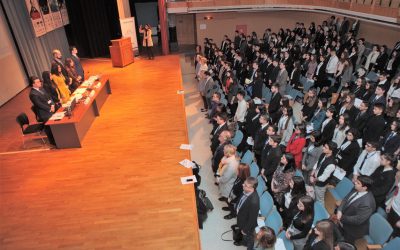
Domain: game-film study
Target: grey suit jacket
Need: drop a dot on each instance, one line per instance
(356, 215)
(282, 81)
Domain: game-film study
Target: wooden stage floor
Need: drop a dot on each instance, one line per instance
(121, 190)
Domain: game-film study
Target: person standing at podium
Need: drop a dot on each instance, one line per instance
(147, 40)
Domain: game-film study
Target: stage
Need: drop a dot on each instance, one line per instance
(122, 189)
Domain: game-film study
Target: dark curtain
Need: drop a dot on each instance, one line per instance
(93, 23)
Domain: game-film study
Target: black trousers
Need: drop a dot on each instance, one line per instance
(150, 53)
(393, 218)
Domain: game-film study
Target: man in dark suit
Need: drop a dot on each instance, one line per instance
(77, 62)
(247, 211)
(275, 103)
(356, 209)
(57, 60)
(260, 137)
(375, 127)
(224, 139)
(362, 118)
(271, 157)
(378, 97)
(221, 119)
(42, 102)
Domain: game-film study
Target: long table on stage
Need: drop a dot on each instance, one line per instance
(69, 132)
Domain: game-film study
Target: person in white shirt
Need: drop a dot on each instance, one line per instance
(331, 67)
(241, 109)
(368, 161)
(323, 170)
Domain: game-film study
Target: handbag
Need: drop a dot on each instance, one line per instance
(236, 233)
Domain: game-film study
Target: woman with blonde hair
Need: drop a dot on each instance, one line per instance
(227, 171)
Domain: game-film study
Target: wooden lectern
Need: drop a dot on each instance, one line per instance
(121, 52)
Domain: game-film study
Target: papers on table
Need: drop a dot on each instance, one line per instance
(250, 141)
(339, 173)
(180, 92)
(187, 163)
(57, 116)
(188, 179)
(357, 102)
(186, 146)
(79, 91)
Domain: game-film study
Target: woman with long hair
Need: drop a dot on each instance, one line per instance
(51, 88)
(323, 239)
(295, 76)
(309, 105)
(59, 80)
(291, 198)
(237, 190)
(147, 40)
(359, 88)
(265, 239)
(393, 99)
(282, 175)
(348, 152)
(301, 223)
(349, 108)
(319, 115)
(296, 144)
(339, 135)
(311, 155)
(286, 125)
(312, 66)
(75, 78)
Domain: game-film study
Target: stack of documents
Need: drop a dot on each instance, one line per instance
(188, 179)
(187, 163)
(186, 146)
(57, 116)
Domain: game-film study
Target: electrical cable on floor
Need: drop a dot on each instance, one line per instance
(224, 234)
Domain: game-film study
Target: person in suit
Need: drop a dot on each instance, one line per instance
(320, 76)
(311, 155)
(221, 119)
(375, 126)
(43, 105)
(322, 237)
(51, 88)
(252, 121)
(348, 152)
(42, 102)
(260, 137)
(77, 62)
(282, 78)
(310, 104)
(378, 97)
(361, 118)
(274, 72)
(355, 210)
(383, 178)
(275, 103)
(247, 211)
(224, 139)
(271, 157)
(391, 141)
(57, 60)
(328, 125)
(291, 199)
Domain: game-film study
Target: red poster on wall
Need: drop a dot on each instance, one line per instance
(242, 28)
(36, 17)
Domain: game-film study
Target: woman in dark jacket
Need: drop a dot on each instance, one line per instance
(295, 76)
(322, 237)
(383, 179)
(291, 198)
(258, 85)
(51, 88)
(310, 104)
(301, 223)
(348, 152)
(359, 88)
(237, 190)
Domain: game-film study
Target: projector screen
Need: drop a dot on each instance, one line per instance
(13, 78)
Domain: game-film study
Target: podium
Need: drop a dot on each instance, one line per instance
(121, 52)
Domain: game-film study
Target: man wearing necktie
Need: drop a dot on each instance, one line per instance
(77, 62)
(355, 210)
(247, 211)
(41, 101)
(368, 161)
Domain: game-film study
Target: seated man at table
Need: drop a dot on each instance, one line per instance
(42, 102)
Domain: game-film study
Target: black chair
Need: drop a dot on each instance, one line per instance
(29, 129)
(35, 111)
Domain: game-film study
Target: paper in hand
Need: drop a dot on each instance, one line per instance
(186, 146)
(187, 163)
(188, 179)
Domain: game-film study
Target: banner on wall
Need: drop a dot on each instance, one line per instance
(63, 10)
(45, 10)
(128, 30)
(55, 13)
(36, 17)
